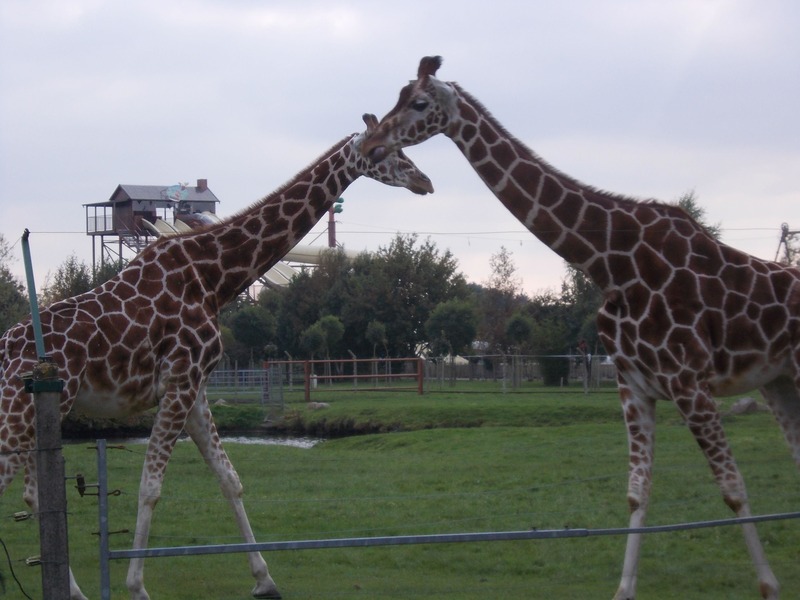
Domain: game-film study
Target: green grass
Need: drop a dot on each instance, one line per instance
(457, 463)
(388, 411)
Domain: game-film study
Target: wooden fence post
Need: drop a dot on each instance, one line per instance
(307, 379)
(46, 388)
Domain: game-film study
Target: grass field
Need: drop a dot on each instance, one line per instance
(449, 462)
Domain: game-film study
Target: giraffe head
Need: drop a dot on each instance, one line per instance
(397, 169)
(426, 107)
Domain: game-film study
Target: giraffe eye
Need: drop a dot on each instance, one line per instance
(419, 105)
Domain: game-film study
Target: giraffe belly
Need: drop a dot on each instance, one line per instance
(111, 406)
(746, 381)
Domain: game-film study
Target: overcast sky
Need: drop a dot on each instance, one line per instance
(646, 98)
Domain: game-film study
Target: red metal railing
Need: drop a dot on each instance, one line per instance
(310, 376)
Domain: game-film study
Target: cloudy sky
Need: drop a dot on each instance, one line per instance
(647, 98)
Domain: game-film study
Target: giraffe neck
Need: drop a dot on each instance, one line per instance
(230, 256)
(573, 219)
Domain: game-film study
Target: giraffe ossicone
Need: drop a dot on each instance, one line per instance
(685, 317)
(149, 336)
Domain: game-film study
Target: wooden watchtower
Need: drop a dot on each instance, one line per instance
(124, 224)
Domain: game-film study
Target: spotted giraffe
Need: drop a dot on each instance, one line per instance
(685, 318)
(149, 337)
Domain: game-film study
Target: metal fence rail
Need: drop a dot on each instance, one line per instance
(106, 554)
(366, 374)
(441, 538)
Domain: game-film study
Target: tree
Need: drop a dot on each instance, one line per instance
(312, 340)
(253, 328)
(334, 330)
(310, 295)
(397, 286)
(688, 202)
(414, 279)
(376, 334)
(584, 298)
(451, 327)
(383, 298)
(106, 271)
(554, 333)
(70, 279)
(551, 341)
(498, 300)
(519, 331)
(503, 276)
(229, 345)
(14, 304)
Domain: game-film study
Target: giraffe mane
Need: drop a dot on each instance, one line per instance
(272, 195)
(288, 183)
(670, 209)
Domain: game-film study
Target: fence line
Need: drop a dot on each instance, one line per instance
(441, 538)
(272, 382)
(396, 370)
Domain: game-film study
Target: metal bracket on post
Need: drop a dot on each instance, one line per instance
(83, 487)
(35, 321)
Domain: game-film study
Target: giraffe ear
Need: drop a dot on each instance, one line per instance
(371, 121)
(428, 66)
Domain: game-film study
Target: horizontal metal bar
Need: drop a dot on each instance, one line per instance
(446, 538)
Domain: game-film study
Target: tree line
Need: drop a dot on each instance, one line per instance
(405, 299)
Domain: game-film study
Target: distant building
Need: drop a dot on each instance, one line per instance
(134, 216)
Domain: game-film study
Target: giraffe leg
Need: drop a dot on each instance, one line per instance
(705, 423)
(201, 428)
(166, 430)
(640, 421)
(783, 398)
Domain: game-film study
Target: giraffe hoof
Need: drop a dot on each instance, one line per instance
(267, 592)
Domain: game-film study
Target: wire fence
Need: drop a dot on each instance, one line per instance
(277, 383)
(569, 507)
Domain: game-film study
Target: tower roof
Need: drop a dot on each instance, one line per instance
(160, 193)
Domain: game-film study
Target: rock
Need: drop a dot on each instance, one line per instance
(744, 406)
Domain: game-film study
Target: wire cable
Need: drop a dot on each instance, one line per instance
(13, 574)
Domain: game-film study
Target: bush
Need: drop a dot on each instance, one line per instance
(555, 370)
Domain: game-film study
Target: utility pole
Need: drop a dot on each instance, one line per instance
(331, 229)
(333, 210)
(786, 235)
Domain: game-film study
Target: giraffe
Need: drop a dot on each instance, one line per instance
(685, 318)
(149, 337)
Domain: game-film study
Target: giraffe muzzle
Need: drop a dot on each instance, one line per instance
(422, 185)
